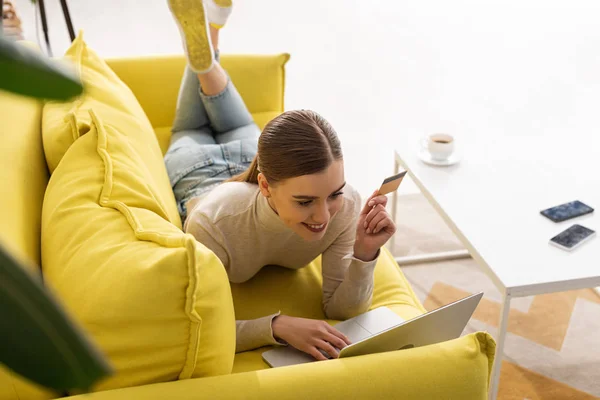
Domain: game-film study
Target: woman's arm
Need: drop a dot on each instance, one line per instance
(311, 336)
(254, 333)
(347, 280)
(348, 264)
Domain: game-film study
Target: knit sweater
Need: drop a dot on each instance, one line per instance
(237, 223)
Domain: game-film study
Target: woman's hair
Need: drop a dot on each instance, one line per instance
(295, 143)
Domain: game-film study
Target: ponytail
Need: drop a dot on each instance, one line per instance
(250, 175)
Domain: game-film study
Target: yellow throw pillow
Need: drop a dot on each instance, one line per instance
(23, 177)
(15, 387)
(156, 301)
(65, 122)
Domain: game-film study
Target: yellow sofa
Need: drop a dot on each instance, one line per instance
(455, 369)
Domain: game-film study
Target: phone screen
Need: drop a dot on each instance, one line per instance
(572, 236)
(567, 211)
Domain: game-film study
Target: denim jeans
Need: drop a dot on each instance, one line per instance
(214, 138)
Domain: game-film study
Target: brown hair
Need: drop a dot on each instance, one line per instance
(295, 143)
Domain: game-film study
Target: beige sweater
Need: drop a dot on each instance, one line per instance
(236, 222)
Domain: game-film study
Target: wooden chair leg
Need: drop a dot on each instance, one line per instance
(42, 7)
(65, 10)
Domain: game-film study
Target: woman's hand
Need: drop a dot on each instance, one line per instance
(375, 227)
(309, 335)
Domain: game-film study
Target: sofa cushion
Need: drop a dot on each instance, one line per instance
(64, 122)
(298, 293)
(155, 301)
(23, 177)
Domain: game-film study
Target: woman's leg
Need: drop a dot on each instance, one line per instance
(210, 100)
(227, 113)
(191, 121)
(214, 136)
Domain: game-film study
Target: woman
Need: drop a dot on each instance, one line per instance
(278, 199)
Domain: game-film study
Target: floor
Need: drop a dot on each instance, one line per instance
(332, 70)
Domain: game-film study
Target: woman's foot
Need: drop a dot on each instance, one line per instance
(218, 12)
(191, 17)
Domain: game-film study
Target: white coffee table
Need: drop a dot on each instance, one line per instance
(495, 214)
(519, 87)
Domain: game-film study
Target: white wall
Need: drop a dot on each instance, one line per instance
(342, 65)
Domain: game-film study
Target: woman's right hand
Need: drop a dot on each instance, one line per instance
(309, 335)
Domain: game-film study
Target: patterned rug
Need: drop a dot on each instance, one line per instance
(552, 348)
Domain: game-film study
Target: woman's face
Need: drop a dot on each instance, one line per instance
(307, 203)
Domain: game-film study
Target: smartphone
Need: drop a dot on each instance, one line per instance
(392, 183)
(567, 211)
(572, 237)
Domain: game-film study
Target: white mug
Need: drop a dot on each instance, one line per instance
(439, 145)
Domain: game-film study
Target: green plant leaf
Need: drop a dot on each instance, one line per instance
(27, 72)
(37, 338)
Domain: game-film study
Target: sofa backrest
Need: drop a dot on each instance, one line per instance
(23, 176)
(23, 180)
(155, 82)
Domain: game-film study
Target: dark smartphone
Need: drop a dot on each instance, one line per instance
(572, 237)
(567, 211)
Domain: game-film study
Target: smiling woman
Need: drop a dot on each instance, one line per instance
(276, 198)
(305, 211)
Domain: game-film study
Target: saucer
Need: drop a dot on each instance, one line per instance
(425, 156)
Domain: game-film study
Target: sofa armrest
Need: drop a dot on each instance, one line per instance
(457, 369)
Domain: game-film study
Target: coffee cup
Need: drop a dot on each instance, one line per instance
(439, 145)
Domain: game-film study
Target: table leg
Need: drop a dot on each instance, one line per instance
(432, 257)
(421, 258)
(495, 381)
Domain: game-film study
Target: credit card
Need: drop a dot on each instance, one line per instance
(392, 183)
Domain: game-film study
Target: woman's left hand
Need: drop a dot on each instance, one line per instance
(375, 227)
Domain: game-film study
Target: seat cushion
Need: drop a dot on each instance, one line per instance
(64, 122)
(156, 302)
(298, 293)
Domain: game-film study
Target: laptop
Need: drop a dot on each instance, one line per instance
(381, 330)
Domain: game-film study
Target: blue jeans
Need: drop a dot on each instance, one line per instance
(214, 138)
